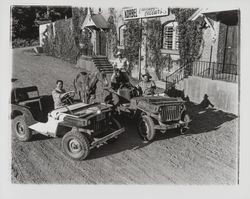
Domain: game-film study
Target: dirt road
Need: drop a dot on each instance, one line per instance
(207, 155)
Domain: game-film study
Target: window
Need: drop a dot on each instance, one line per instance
(121, 34)
(170, 36)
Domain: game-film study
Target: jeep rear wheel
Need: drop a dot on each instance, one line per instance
(76, 145)
(146, 128)
(21, 129)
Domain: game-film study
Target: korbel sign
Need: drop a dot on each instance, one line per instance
(137, 13)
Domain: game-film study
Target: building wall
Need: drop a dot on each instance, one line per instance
(224, 95)
(210, 40)
(119, 21)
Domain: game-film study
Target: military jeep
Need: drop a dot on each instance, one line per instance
(152, 112)
(81, 126)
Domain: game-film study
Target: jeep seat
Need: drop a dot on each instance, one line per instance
(21, 96)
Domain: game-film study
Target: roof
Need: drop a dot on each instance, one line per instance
(206, 11)
(99, 21)
(95, 21)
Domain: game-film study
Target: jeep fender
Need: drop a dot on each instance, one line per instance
(22, 110)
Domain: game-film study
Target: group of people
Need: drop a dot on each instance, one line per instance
(119, 79)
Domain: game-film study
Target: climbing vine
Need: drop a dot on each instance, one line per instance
(154, 38)
(190, 35)
(111, 35)
(132, 38)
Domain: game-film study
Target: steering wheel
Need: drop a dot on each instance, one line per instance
(68, 97)
(150, 90)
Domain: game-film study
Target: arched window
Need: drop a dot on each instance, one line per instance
(121, 34)
(170, 33)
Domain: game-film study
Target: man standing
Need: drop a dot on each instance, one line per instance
(120, 62)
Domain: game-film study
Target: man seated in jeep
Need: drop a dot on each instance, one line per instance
(119, 78)
(59, 95)
(147, 86)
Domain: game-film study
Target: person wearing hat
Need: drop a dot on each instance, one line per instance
(206, 102)
(147, 85)
(119, 77)
(116, 79)
(120, 62)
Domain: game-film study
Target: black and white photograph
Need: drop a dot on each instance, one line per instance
(125, 95)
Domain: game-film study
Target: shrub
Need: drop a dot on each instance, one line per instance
(20, 43)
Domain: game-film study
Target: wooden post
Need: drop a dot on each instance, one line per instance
(225, 51)
(210, 60)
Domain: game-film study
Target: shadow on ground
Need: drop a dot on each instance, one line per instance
(206, 120)
(203, 121)
(129, 140)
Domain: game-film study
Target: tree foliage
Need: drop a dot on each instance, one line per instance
(23, 25)
(25, 18)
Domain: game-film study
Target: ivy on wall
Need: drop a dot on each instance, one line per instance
(62, 40)
(190, 35)
(111, 35)
(154, 39)
(132, 39)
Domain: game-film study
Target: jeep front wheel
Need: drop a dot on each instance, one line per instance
(76, 145)
(146, 128)
(21, 129)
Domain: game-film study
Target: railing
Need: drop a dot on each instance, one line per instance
(212, 70)
(175, 77)
(217, 71)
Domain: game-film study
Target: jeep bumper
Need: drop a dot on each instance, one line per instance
(103, 140)
(179, 124)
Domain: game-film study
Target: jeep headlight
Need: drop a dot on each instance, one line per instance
(160, 109)
(183, 107)
(159, 117)
(89, 122)
(98, 111)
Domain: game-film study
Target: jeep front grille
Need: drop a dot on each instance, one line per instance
(170, 113)
(99, 125)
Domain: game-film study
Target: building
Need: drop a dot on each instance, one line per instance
(216, 72)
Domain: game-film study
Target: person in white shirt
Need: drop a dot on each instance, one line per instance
(58, 93)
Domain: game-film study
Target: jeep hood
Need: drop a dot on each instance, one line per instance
(157, 100)
(82, 110)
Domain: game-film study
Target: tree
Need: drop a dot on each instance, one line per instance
(24, 18)
(23, 26)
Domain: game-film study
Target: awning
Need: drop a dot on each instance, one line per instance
(227, 16)
(95, 21)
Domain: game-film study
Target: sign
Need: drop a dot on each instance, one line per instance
(137, 13)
